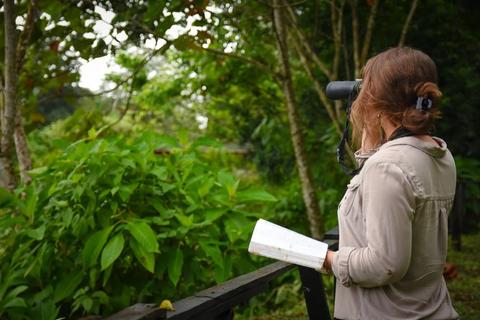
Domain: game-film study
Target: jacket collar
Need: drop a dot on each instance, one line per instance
(436, 150)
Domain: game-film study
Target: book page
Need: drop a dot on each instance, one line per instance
(273, 241)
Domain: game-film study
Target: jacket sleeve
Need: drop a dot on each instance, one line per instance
(388, 204)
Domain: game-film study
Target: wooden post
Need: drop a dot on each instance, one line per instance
(314, 293)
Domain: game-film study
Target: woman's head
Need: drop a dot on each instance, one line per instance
(392, 83)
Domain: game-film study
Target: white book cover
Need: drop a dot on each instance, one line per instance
(273, 241)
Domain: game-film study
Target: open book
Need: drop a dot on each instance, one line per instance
(273, 241)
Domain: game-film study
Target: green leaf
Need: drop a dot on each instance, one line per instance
(87, 303)
(160, 172)
(92, 133)
(6, 197)
(255, 195)
(157, 205)
(15, 303)
(126, 191)
(46, 310)
(227, 180)
(37, 233)
(222, 274)
(15, 292)
(66, 287)
(186, 221)
(112, 251)
(185, 42)
(146, 259)
(67, 217)
(212, 252)
(237, 227)
(210, 216)
(94, 246)
(213, 214)
(175, 264)
(101, 296)
(38, 171)
(31, 202)
(206, 186)
(144, 235)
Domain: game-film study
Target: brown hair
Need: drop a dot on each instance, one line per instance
(392, 82)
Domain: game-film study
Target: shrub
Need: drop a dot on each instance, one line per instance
(109, 223)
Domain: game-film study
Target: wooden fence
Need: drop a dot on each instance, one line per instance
(218, 302)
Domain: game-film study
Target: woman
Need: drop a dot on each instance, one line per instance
(393, 217)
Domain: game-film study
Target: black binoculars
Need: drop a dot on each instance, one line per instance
(337, 90)
(349, 90)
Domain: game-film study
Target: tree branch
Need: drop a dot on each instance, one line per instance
(337, 24)
(309, 50)
(280, 6)
(251, 61)
(355, 36)
(346, 56)
(25, 35)
(122, 115)
(140, 66)
(317, 86)
(406, 25)
(369, 32)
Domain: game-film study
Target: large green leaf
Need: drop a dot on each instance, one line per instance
(66, 286)
(255, 195)
(146, 259)
(175, 264)
(15, 292)
(14, 303)
(112, 251)
(94, 246)
(37, 233)
(143, 234)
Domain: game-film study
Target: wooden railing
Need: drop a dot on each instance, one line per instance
(218, 302)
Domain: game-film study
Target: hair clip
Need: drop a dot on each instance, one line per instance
(424, 103)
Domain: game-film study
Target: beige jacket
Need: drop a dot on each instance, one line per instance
(393, 234)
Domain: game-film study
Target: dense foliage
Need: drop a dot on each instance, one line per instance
(110, 222)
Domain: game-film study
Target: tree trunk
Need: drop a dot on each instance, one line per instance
(21, 146)
(9, 112)
(308, 190)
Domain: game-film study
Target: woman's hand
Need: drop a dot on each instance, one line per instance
(327, 264)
